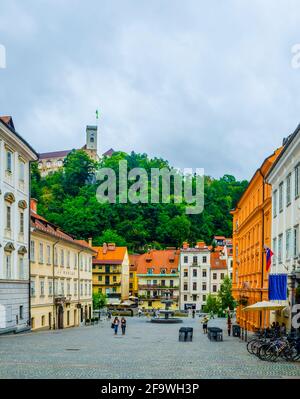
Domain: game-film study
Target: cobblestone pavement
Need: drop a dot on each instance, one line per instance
(146, 351)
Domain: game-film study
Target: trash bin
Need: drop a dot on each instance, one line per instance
(185, 334)
(236, 330)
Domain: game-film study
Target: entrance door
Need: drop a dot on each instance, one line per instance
(60, 317)
(50, 320)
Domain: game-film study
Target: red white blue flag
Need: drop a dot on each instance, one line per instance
(269, 255)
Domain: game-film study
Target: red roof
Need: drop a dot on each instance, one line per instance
(158, 259)
(216, 262)
(41, 224)
(55, 154)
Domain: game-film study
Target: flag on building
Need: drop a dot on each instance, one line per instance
(269, 255)
(277, 287)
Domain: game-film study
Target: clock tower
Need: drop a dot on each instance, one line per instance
(91, 140)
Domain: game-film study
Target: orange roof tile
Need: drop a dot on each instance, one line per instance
(157, 259)
(216, 262)
(115, 256)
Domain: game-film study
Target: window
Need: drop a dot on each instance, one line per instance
(62, 257)
(194, 286)
(222, 276)
(194, 298)
(50, 287)
(75, 261)
(297, 182)
(43, 320)
(204, 259)
(280, 196)
(185, 259)
(275, 203)
(68, 258)
(214, 288)
(280, 248)
(185, 273)
(185, 298)
(62, 288)
(21, 312)
(9, 161)
(195, 260)
(204, 273)
(32, 252)
(21, 171)
(8, 217)
(185, 287)
(131, 275)
(68, 287)
(8, 266)
(81, 289)
(21, 223)
(85, 289)
(150, 271)
(114, 279)
(99, 278)
(288, 190)
(194, 272)
(214, 276)
(42, 287)
(55, 287)
(204, 298)
(48, 251)
(55, 257)
(295, 241)
(203, 287)
(32, 287)
(41, 253)
(75, 288)
(288, 236)
(21, 269)
(163, 271)
(274, 250)
(171, 283)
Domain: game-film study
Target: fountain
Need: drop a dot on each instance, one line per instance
(168, 319)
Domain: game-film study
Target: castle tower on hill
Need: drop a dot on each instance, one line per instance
(50, 162)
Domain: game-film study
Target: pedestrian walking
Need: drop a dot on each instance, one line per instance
(115, 325)
(204, 321)
(193, 313)
(229, 325)
(123, 325)
(140, 312)
(109, 314)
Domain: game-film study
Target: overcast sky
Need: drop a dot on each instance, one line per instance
(201, 83)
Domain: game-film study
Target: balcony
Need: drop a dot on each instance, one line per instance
(156, 286)
(157, 297)
(103, 283)
(117, 271)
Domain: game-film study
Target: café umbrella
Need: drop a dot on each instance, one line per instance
(263, 306)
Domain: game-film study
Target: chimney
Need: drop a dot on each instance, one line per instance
(200, 244)
(33, 205)
(90, 242)
(104, 250)
(111, 246)
(185, 245)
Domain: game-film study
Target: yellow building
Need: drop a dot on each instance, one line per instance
(133, 278)
(158, 275)
(251, 233)
(111, 272)
(61, 276)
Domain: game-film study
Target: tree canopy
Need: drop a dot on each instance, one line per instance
(68, 198)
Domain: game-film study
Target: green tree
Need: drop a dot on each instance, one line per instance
(212, 304)
(99, 300)
(225, 294)
(110, 236)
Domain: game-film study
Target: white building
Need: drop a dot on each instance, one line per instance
(194, 276)
(15, 157)
(284, 177)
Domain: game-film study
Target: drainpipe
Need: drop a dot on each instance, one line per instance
(53, 279)
(262, 238)
(78, 290)
(29, 251)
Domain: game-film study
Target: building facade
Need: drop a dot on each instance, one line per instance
(15, 158)
(61, 276)
(111, 272)
(218, 271)
(158, 277)
(194, 276)
(133, 278)
(284, 177)
(252, 219)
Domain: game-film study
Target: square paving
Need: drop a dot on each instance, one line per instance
(146, 351)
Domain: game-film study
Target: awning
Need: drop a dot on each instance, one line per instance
(264, 305)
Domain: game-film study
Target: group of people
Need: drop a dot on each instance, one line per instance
(277, 329)
(115, 325)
